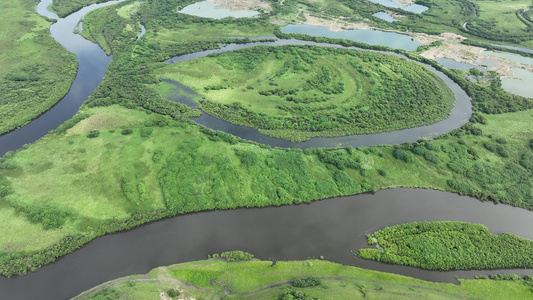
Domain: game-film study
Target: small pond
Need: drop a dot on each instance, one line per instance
(452, 64)
(519, 86)
(414, 8)
(367, 36)
(384, 16)
(514, 57)
(207, 9)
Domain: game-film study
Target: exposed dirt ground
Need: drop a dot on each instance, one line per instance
(452, 48)
(238, 5)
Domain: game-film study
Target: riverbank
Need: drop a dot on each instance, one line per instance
(176, 161)
(260, 280)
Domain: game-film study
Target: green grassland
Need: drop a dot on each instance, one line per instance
(448, 246)
(301, 92)
(36, 71)
(166, 167)
(498, 20)
(215, 279)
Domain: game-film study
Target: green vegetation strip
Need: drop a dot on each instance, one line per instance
(448, 246)
(299, 92)
(36, 71)
(310, 279)
(64, 8)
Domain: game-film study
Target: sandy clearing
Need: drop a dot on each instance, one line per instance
(239, 5)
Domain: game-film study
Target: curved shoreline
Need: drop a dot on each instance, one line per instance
(331, 228)
(92, 66)
(458, 116)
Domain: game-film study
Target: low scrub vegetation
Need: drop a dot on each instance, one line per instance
(448, 246)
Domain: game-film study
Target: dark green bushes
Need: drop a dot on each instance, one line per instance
(172, 293)
(49, 217)
(93, 134)
(236, 255)
(403, 155)
(449, 246)
(306, 282)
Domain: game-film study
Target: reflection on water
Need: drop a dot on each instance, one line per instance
(210, 10)
(414, 8)
(384, 16)
(452, 64)
(367, 36)
(522, 86)
(513, 57)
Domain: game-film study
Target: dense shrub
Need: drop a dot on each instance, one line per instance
(172, 293)
(236, 255)
(126, 131)
(403, 155)
(146, 132)
(93, 134)
(306, 282)
(449, 246)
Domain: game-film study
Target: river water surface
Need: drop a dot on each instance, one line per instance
(332, 228)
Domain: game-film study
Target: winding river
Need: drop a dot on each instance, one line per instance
(331, 228)
(459, 114)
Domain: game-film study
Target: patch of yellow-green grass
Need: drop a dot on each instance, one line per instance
(127, 11)
(17, 230)
(192, 32)
(515, 126)
(82, 176)
(112, 118)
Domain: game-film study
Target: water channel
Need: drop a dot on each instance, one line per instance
(459, 115)
(332, 228)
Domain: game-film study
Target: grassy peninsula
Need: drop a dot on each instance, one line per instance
(299, 92)
(310, 279)
(36, 71)
(448, 246)
(64, 8)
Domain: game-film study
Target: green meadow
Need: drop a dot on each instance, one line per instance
(298, 92)
(214, 279)
(36, 71)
